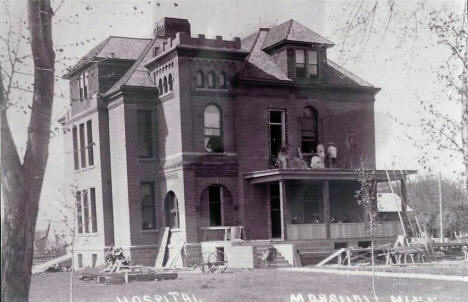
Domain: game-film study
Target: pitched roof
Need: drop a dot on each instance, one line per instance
(137, 75)
(259, 63)
(295, 32)
(112, 47)
(335, 74)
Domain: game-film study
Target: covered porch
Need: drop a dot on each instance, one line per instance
(319, 204)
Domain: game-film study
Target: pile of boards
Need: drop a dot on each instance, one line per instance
(127, 273)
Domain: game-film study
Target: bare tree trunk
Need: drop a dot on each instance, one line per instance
(22, 183)
(464, 100)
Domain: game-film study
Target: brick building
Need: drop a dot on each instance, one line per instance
(210, 136)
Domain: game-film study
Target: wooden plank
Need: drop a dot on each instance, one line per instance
(177, 252)
(329, 258)
(162, 248)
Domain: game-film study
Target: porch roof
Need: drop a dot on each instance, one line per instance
(273, 175)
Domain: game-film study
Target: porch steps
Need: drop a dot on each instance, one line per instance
(280, 260)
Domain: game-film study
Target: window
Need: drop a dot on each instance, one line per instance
(212, 131)
(309, 130)
(144, 133)
(83, 86)
(93, 217)
(160, 87)
(200, 82)
(165, 84)
(80, 260)
(300, 63)
(170, 82)
(277, 139)
(94, 259)
(312, 67)
(211, 77)
(89, 133)
(148, 215)
(214, 199)
(82, 146)
(76, 160)
(172, 210)
(79, 213)
(85, 211)
(222, 80)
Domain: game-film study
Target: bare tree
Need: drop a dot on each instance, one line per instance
(22, 180)
(402, 22)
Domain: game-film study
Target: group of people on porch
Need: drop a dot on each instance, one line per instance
(323, 157)
(333, 219)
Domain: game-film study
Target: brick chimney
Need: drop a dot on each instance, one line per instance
(168, 27)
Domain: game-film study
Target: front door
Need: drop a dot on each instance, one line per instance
(275, 211)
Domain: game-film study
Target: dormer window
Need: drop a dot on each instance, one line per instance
(306, 63)
(312, 67)
(83, 84)
(300, 64)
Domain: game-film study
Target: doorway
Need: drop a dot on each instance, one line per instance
(275, 211)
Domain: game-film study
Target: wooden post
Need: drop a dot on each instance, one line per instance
(326, 206)
(283, 208)
(441, 215)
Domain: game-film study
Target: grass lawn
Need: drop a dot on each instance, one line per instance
(457, 268)
(256, 285)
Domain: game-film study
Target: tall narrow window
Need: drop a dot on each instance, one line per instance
(84, 194)
(277, 133)
(170, 82)
(76, 159)
(144, 133)
(213, 138)
(214, 199)
(160, 87)
(82, 146)
(200, 82)
(309, 130)
(222, 80)
(312, 66)
(165, 84)
(79, 212)
(89, 134)
(211, 81)
(92, 193)
(300, 63)
(80, 87)
(172, 210)
(148, 215)
(85, 85)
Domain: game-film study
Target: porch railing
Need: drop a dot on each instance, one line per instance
(347, 230)
(221, 233)
(388, 228)
(306, 231)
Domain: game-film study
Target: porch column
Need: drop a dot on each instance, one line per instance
(326, 206)
(283, 209)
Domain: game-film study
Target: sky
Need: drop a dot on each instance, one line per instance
(401, 59)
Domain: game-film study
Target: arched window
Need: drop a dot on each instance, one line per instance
(170, 82)
(172, 210)
(165, 84)
(212, 131)
(222, 80)
(160, 87)
(211, 81)
(200, 82)
(309, 130)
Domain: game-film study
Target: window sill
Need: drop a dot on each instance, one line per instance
(150, 231)
(85, 169)
(147, 159)
(175, 230)
(87, 234)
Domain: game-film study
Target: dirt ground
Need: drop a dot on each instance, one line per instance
(251, 285)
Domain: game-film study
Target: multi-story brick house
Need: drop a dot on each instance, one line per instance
(184, 132)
